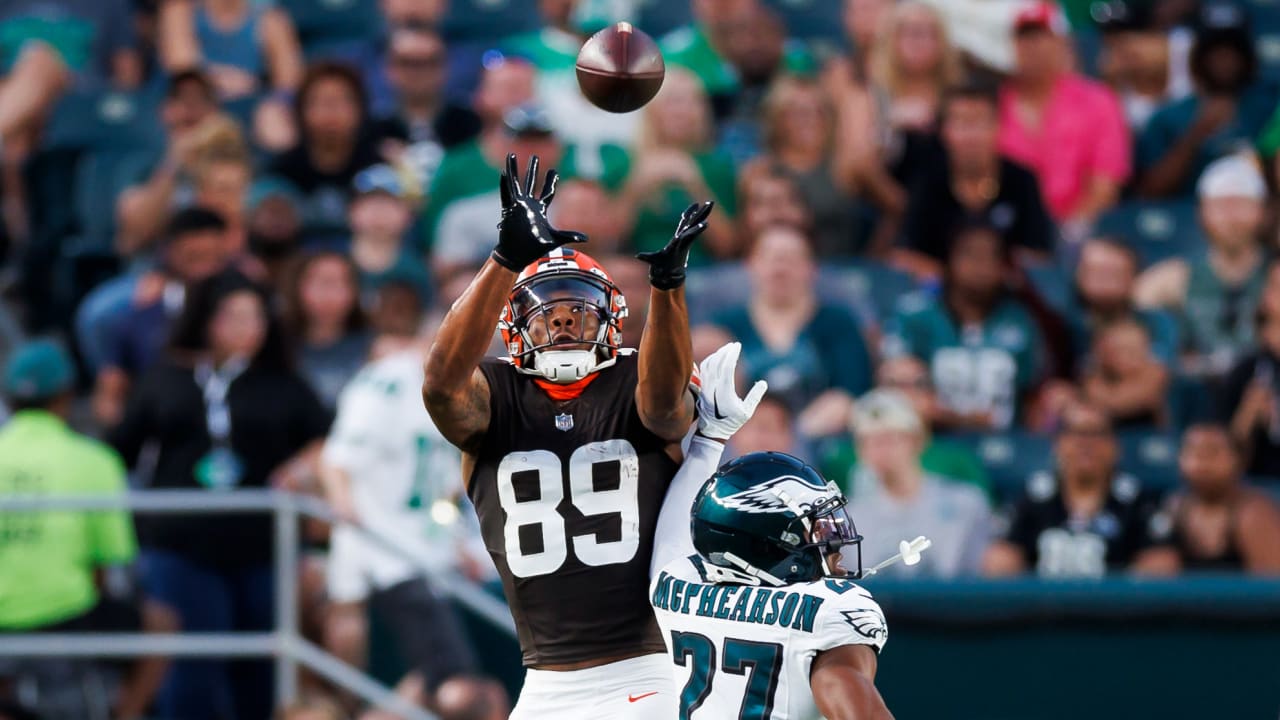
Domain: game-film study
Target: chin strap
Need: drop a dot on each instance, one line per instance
(752, 570)
(564, 367)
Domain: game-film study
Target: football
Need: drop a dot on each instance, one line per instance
(620, 68)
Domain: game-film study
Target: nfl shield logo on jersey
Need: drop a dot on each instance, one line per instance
(564, 422)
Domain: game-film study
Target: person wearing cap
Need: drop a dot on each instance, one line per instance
(379, 215)
(50, 560)
(1228, 109)
(894, 498)
(457, 223)
(1216, 290)
(1069, 130)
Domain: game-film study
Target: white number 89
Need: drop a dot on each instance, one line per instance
(541, 512)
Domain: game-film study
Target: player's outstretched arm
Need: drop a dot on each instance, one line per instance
(843, 683)
(666, 350)
(453, 389)
(720, 414)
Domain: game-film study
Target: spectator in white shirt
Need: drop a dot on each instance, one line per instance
(386, 467)
(894, 499)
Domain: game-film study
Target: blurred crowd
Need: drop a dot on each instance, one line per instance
(1008, 267)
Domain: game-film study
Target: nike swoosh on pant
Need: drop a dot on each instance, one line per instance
(633, 698)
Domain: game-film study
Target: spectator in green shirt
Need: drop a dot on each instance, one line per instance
(673, 165)
(983, 347)
(711, 46)
(50, 560)
(700, 47)
(811, 350)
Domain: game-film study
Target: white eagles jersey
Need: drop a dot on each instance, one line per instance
(744, 651)
(405, 477)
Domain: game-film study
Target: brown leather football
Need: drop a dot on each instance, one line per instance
(620, 68)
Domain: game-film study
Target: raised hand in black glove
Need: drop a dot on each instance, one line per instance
(524, 234)
(667, 266)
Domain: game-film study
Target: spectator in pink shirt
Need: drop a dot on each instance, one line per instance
(1069, 130)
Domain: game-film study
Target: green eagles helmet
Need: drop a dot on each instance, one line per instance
(769, 517)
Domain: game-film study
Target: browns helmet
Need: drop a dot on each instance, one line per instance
(564, 277)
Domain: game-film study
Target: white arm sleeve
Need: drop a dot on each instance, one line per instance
(671, 539)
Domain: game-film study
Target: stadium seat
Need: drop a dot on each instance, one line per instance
(327, 24)
(1156, 231)
(659, 17)
(489, 21)
(1264, 15)
(865, 286)
(1190, 400)
(1268, 44)
(1151, 456)
(1010, 458)
(89, 120)
(1052, 283)
(812, 20)
(1088, 47)
(849, 287)
(100, 178)
(713, 289)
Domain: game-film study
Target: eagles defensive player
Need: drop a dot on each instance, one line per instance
(568, 449)
(761, 620)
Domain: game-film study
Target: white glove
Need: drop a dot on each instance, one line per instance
(721, 413)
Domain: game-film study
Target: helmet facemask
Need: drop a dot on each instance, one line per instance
(833, 536)
(565, 326)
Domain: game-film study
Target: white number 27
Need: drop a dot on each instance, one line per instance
(542, 513)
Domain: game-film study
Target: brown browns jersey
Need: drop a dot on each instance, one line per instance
(568, 495)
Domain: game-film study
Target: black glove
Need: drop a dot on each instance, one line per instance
(524, 234)
(667, 266)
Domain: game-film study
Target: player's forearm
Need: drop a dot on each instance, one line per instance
(666, 357)
(466, 332)
(848, 695)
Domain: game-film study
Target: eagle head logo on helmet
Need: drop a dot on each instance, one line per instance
(569, 280)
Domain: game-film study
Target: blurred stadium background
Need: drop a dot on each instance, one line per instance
(1040, 235)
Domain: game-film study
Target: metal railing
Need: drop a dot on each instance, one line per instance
(285, 643)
